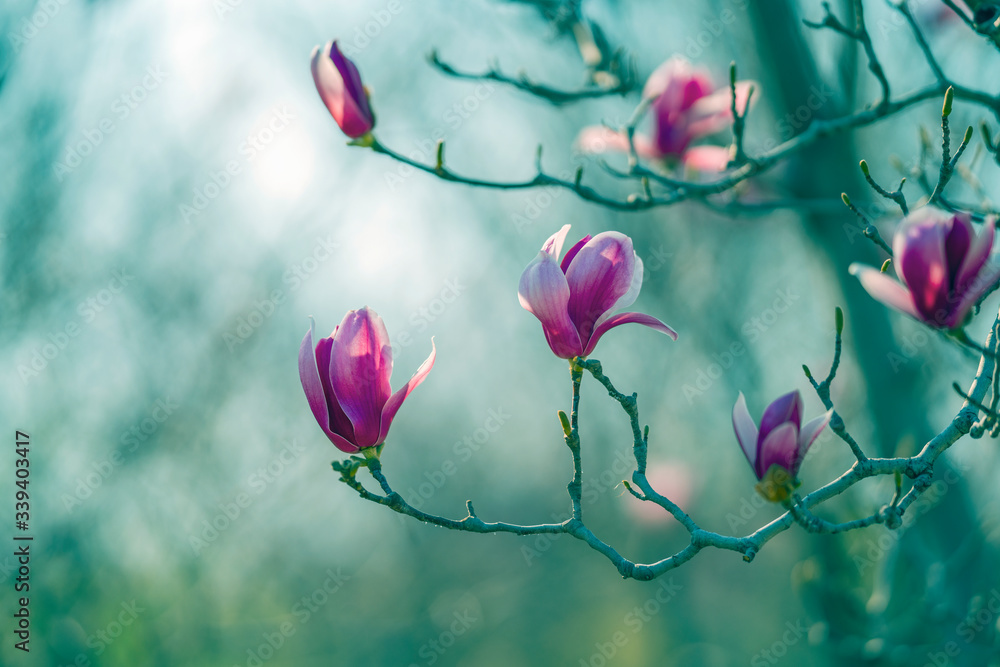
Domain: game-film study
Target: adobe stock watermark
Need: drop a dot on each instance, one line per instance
(793, 634)
(89, 309)
(303, 611)
(875, 548)
(463, 450)
(982, 617)
(211, 528)
(131, 440)
(426, 149)
(102, 638)
(295, 276)
(591, 490)
(432, 650)
(751, 330)
(537, 202)
(421, 319)
(29, 27)
(122, 108)
(635, 620)
(257, 140)
(363, 35)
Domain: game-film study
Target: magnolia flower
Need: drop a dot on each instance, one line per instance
(575, 299)
(942, 263)
(346, 380)
(776, 451)
(340, 88)
(685, 106)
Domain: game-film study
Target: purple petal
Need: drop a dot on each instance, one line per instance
(987, 277)
(600, 274)
(360, 367)
(315, 391)
(396, 400)
(919, 253)
(553, 245)
(544, 292)
(778, 447)
(784, 409)
(339, 86)
(627, 318)
(807, 436)
(975, 258)
(885, 289)
(571, 253)
(665, 78)
(746, 430)
(957, 241)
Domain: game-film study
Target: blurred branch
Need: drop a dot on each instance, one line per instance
(609, 70)
(919, 468)
(622, 83)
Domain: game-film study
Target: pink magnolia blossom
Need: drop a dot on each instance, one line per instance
(339, 85)
(776, 451)
(943, 266)
(685, 106)
(575, 300)
(346, 381)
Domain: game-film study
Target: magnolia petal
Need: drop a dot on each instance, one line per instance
(746, 430)
(553, 245)
(885, 289)
(673, 69)
(312, 384)
(340, 96)
(544, 292)
(600, 139)
(627, 318)
(918, 249)
(786, 408)
(986, 278)
(706, 158)
(396, 400)
(975, 258)
(808, 435)
(601, 273)
(360, 367)
(958, 238)
(571, 253)
(778, 447)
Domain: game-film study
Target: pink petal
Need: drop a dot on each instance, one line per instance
(987, 277)
(600, 139)
(627, 318)
(600, 274)
(918, 249)
(706, 158)
(360, 367)
(396, 400)
(312, 384)
(544, 292)
(674, 69)
(784, 409)
(571, 253)
(349, 108)
(746, 430)
(807, 436)
(779, 446)
(885, 289)
(975, 258)
(553, 245)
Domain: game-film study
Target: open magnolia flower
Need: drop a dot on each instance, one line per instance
(339, 85)
(346, 381)
(685, 106)
(776, 451)
(942, 263)
(575, 300)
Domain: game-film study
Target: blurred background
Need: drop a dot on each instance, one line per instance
(176, 202)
